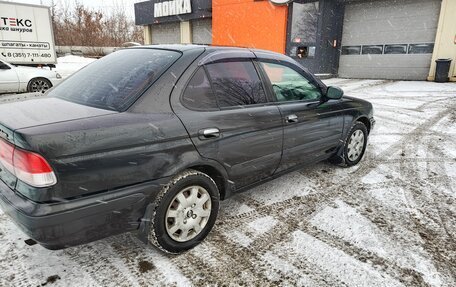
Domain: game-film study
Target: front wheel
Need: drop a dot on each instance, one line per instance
(354, 146)
(39, 85)
(186, 210)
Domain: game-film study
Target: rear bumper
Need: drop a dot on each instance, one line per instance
(61, 225)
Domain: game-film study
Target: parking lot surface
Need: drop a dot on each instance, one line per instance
(390, 221)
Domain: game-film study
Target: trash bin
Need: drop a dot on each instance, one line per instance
(442, 70)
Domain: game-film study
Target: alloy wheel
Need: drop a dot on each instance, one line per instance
(40, 86)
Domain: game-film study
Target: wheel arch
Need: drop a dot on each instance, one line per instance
(365, 120)
(218, 174)
(349, 122)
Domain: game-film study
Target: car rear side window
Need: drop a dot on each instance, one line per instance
(289, 85)
(198, 95)
(236, 84)
(115, 82)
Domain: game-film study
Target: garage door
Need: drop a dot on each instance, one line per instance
(166, 33)
(202, 31)
(389, 39)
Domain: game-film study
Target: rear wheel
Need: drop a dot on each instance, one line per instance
(186, 210)
(38, 85)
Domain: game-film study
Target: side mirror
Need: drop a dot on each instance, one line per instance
(4, 66)
(334, 93)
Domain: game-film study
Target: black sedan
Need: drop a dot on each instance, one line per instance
(150, 139)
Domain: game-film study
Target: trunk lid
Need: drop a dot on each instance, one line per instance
(37, 112)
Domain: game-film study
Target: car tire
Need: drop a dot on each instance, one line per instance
(354, 146)
(39, 85)
(182, 217)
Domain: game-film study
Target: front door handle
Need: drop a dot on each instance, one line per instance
(291, 119)
(210, 133)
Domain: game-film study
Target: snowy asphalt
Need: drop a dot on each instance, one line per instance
(390, 221)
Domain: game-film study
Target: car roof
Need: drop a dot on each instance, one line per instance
(223, 52)
(175, 47)
(209, 48)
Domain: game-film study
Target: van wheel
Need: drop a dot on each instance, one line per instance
(186, 210)
(39, 85)
(354, 146)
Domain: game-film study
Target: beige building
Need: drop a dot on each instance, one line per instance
(445, 41)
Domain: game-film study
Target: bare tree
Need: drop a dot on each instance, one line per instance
(79, 25)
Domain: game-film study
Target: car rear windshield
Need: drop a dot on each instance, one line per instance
(115, 82)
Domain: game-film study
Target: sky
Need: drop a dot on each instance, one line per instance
(105, 5)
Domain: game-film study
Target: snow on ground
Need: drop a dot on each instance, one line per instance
(390, 221)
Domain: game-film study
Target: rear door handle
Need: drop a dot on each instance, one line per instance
(210, 133)
(291, 119)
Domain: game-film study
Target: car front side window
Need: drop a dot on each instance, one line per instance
(289, 85)
(236, 84)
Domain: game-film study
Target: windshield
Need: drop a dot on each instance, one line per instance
(114, 82)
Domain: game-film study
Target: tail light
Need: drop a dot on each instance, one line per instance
(28, 167)
(6, 155)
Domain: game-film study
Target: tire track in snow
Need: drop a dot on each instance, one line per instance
(419, 130)
(361, 238)
(409, 170)
(405, 275)
(444, 181)
(350, 271)
(133, 253)
(100, 263)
